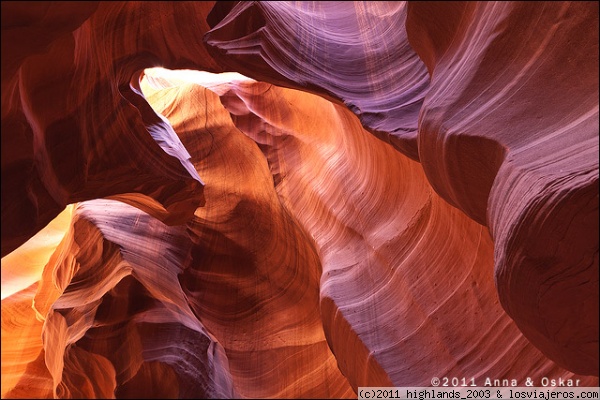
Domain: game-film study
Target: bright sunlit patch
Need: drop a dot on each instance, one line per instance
(23, 267)
(161, 78)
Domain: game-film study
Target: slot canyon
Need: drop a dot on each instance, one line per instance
(297, 199)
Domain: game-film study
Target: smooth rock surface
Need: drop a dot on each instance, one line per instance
(399, 191)
(509, 134)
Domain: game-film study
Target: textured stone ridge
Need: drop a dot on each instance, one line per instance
(398, 191)
(356, 52)
(507, 127)
(513, 143)
(71, 106)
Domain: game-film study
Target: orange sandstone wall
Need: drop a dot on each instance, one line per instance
(401, 191)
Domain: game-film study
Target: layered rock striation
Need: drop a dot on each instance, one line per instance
(399, 191)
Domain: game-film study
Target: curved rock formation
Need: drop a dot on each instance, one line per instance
(23, 267)
(426, 205)
(383, 294)
(514, 143)
(116, 315)
(508, 129)
(254, 274)
(66, 89)
(352, 52)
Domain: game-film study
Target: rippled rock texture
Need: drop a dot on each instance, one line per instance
(400, 191)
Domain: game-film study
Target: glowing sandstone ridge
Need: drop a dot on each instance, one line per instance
(391, 192)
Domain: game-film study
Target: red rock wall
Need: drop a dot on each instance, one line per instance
(426, 205)
(513, 142)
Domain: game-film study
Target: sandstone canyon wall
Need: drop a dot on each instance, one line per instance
(393, 191)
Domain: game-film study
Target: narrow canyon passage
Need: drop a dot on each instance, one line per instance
(392, 192)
